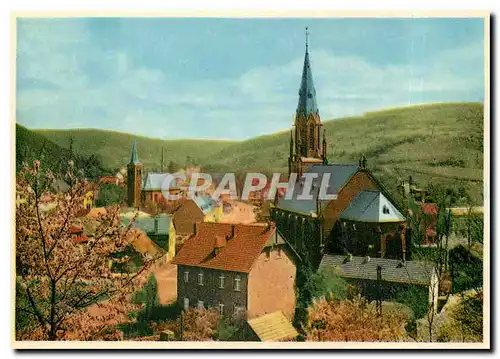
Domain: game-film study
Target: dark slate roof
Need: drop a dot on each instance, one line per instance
(368, 206)
(147, 224)
(134, 159)
(412, 272)
(307, 93)
(339, 176)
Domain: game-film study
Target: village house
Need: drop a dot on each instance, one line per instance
(242, 270)
(382, 278)
(159, 228)
(201, 208)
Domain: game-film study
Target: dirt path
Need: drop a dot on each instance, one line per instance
(166, 276)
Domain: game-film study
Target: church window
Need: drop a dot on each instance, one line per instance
(311, 136)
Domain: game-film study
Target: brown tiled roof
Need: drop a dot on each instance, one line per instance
(238, 255)
(186, 215)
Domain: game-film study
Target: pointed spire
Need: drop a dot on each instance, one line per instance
(307, 93)
(134, 159)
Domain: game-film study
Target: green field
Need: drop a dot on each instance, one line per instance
(439, 143)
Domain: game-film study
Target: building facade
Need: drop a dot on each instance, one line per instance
(228, 267)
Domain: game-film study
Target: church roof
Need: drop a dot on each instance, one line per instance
(307, 92)
(134, 159)
(156, 181)
(340, 174)
(371, 206)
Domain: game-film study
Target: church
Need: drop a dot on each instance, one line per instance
(364, 220)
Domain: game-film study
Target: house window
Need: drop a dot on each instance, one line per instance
(201, 304)
(186, 303)
(221, 281)
(221, 308)
(385, 210)
(237, 310)
(186, 276)
(200, 278)
(237, 281)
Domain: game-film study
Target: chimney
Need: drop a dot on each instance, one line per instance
(220, 242)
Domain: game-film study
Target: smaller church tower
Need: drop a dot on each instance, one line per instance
(134, 179)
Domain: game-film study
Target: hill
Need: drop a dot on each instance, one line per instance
(32, 146)
(113, 148)
(438, 143)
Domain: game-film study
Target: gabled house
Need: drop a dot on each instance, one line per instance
(382, 278)
(242, 270)
(159, 229)
(198, 209)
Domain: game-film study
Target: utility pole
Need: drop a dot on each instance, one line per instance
(379, 296)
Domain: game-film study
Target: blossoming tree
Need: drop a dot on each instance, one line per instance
(59, 278)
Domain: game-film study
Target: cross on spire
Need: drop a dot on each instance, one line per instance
(307, 36)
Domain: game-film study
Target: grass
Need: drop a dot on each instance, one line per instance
(439, 143)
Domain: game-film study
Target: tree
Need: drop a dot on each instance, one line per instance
(326, 283)
(353, 320)
(148, 296)
(469, 315)
(58, 277)
(198, 324)
(172, 167)
(110, 194)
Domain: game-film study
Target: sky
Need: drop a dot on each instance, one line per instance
(235, 79)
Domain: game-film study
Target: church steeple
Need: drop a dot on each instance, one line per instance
(134, 178)
(307, 93)
(306, 143)
(134, 159)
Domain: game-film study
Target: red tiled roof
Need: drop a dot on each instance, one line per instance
(429, 208)
(239, 253)
(81, 239)
(108, 179)
(75, 229)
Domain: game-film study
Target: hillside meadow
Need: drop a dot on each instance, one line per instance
(438, 143)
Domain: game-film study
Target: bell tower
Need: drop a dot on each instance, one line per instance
(307, 149)
(134, 179)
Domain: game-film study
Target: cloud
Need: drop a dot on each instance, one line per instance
(66, 81)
